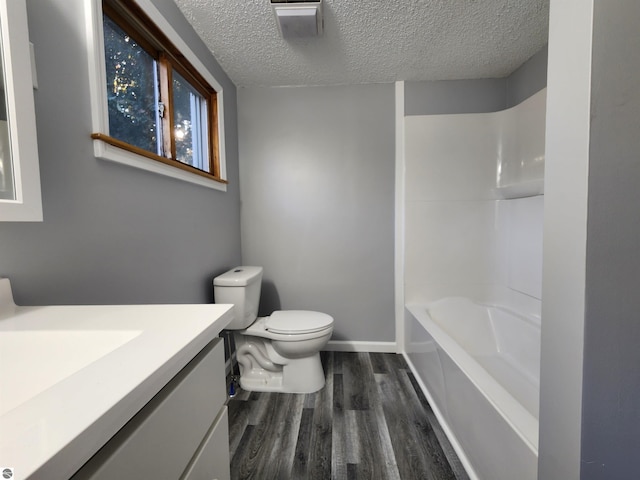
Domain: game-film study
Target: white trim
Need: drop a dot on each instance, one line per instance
(349, 346)
(565, 239)
(399, 219)
(27, 206)
(443, 423)
(106, 151)
(100, 113)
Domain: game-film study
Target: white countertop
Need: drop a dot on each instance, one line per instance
(72, 376)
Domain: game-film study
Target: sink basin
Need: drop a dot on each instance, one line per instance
(46, 357)
(72, 375)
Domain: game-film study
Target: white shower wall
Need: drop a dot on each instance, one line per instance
(524, 249)
(463, 238)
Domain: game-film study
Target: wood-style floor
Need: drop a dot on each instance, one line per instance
(370, 421)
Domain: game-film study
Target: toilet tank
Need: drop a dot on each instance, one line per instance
(241, 287)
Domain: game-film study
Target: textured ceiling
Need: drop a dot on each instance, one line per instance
(373, 41)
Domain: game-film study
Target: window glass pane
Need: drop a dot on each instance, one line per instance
(132, 89)
(190, 124)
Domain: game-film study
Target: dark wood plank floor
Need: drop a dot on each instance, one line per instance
(371, 421)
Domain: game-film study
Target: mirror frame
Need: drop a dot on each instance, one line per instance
(27, 207)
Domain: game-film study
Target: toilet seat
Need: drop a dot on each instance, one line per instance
(297, 322)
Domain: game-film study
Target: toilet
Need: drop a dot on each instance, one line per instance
(278, 353)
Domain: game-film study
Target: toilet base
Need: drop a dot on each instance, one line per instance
(261, 381)
(300, 375)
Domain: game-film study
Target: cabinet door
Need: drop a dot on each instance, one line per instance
(211, 462)
(159, 442)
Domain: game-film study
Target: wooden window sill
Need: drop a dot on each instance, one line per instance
(109, 148)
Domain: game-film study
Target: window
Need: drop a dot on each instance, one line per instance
(131, 89)
(158, 108)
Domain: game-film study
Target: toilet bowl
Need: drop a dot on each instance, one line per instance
(278, 353)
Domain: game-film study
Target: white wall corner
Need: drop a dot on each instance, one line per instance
(565, 235)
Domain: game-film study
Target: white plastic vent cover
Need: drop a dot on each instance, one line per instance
(298, 19)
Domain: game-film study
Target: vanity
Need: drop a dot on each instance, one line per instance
(114, 391)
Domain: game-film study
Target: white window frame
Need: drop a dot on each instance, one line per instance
(19, 76)
(100, 112)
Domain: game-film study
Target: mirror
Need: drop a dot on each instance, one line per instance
(20, 197)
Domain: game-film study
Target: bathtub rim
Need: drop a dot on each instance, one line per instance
(517, 416)
(529, 318)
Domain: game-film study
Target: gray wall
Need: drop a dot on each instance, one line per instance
(317, 190)
(590, 377)
(480, 95)
(111, 233)
(529, 78)
(611, 375)
(455, 96)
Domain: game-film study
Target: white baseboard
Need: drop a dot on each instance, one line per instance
(349, 346)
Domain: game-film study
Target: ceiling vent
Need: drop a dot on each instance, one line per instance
(298, 19)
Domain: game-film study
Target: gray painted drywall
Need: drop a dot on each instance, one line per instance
(529, 78)
(611, 374)
(480, 95)
(590, 382)
(317, 191)
(111, 233)
(455, 96)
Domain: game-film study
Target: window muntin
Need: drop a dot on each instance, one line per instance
(185, 136)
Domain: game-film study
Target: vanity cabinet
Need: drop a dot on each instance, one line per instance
(182, 433)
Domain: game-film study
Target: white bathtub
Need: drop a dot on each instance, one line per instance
(479, 365)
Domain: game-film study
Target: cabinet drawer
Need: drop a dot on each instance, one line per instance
(211, 461)
(160, 440)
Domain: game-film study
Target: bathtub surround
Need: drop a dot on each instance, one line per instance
(450, 97)
(455, 192)
(112, 234)
(473, 235)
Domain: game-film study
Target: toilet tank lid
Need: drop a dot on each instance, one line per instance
(297, 321)
(238, 277)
